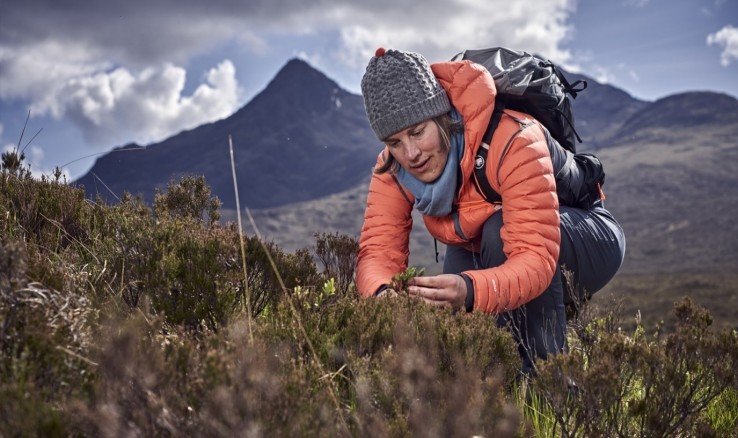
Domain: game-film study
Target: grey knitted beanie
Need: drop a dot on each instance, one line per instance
(399, 91)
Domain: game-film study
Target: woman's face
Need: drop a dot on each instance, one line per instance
(419, 150)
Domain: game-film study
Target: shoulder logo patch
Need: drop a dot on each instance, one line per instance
(479, 162)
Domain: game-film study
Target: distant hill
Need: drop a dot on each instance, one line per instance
(600, 110)
(697, 109)
(301, 138)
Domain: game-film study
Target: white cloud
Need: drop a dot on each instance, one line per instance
(439, 30)
(603, 75)
(121, 105)
(92, 62)
(2, 128)
(130, 34)
(727, 38)
(35, 154)
(634, 76)
(34, 72)
(34, 157)
(315, 59)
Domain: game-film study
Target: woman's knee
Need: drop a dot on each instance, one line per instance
(592, 246)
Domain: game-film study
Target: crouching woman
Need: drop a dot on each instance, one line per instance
(504, 259)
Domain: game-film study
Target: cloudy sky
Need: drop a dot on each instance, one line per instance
(98, 74)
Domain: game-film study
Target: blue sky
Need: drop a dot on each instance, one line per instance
(103, 74)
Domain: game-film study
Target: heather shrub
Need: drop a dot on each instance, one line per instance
(613, 384)
(154, 378)
(196, 279)
(45, 336)
(189, 268)
(338, 254)
(188, 198)
(11, 163)
(400, 281)
(46, 213)
(384, 354)
(130, 320)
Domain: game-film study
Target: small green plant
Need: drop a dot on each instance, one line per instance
(722, 414)
(314, 298)
(400, 280)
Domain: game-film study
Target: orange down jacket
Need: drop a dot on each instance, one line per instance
(518, 167)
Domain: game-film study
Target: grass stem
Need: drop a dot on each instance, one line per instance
(246, 293)
(296, 315)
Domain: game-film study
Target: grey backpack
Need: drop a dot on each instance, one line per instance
(536, 87)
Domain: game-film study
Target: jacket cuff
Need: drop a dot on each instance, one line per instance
(469, 304)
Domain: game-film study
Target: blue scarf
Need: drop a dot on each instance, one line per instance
(436, 198)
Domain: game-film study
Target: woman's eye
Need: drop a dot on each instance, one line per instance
(417, 133)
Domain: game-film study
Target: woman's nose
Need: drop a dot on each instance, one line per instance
(413, 151)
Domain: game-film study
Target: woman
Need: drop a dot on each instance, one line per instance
(501, 259)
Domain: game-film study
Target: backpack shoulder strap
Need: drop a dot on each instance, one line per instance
(480, 161)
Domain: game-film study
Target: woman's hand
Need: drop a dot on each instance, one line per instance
(446, 290)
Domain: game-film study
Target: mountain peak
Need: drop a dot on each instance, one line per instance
(299, 87)
(297, 63)
(298, 72)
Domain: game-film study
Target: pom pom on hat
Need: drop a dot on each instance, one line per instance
(380, 52)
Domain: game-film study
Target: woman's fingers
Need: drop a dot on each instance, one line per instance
(445, 289)
(434, 281)
(430, 293)
(442, 281)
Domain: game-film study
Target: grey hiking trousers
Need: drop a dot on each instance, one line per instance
(592, 247)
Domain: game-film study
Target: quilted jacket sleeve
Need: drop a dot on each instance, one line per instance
(384, 241)
(530, 232)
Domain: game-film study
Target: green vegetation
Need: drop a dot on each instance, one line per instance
(401, 279)
(128, 319)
